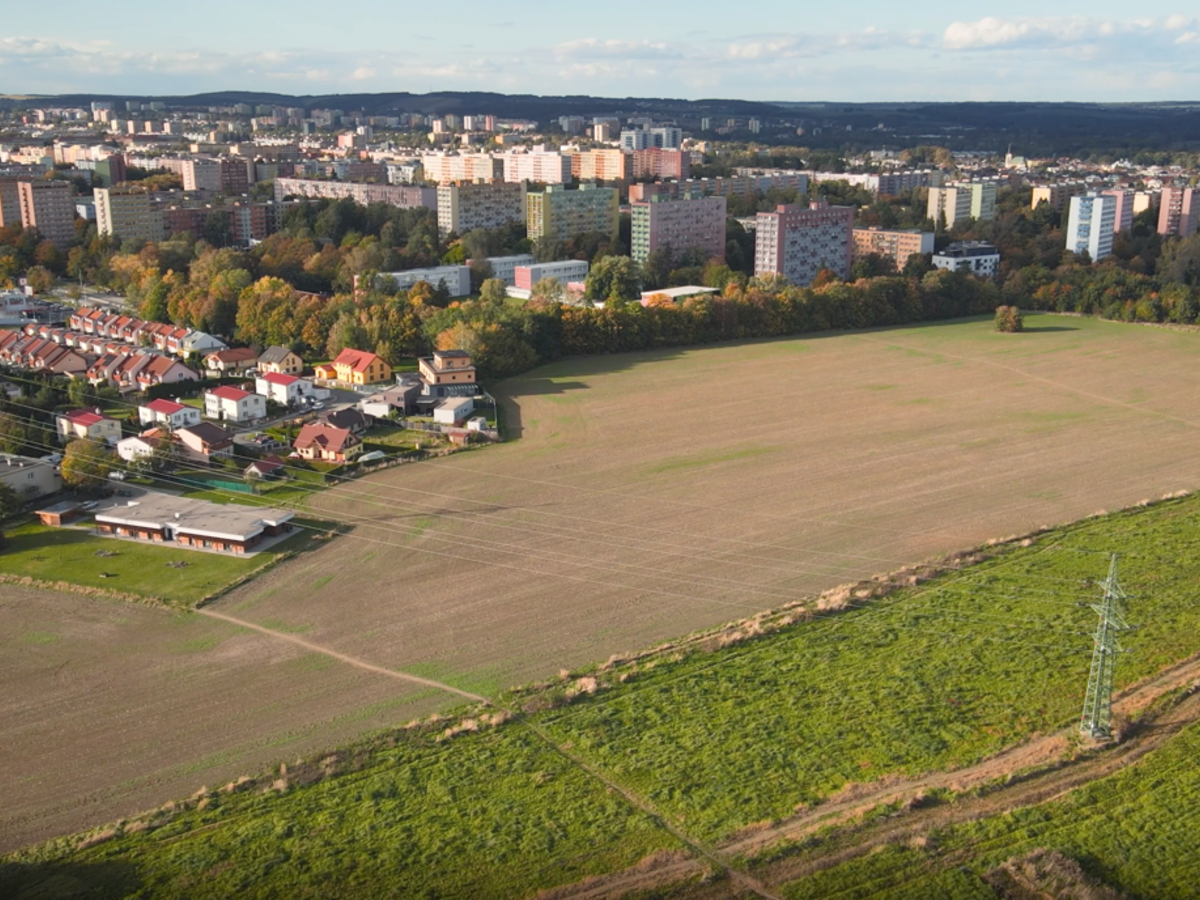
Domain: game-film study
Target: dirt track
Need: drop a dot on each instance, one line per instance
(1041, 771)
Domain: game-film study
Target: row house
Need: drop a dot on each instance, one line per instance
(31, 352)
(138, 370)
(100, 323)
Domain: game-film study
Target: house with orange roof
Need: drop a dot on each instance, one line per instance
(87, 423)
(322, 442)
(361, 367)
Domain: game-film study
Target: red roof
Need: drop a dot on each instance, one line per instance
(85, 417)
(279, 378)
(228, 392)
(358, 360)
(328, 438)
(166, 407)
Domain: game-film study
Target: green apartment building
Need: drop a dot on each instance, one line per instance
(560, 214)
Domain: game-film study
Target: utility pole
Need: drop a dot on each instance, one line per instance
(1097, 706)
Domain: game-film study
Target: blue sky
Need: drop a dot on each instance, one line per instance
(867, 50)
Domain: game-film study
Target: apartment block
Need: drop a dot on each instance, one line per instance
(236, 174)
(898, 245)
(128, 215)
(559, 214)
(1123, 216)
(1178, 211)
(1090, 225)
(201, 175)
(1057, 195)
(48, 207)
(797, 241)
(679, 224)
(962, 200)
(456, 280)
(602, 165)
(453, 168)
(538, 166)
(564, 272)
(659, 163)
(505, 267)
(465, 207)
(10, 202)
(402, 195)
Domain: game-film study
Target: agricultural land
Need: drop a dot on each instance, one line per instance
(650, 495)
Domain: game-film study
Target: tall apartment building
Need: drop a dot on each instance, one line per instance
(402, 195)
(1179, 211)
(1123, 217)
(538, 166)
(48, 207)
(602, 165)
(664, 138)
(798, 241)
(659, 163)
(451, 168)
(962, 200)
(465, 207)
(891, 184)
(236, 174)
(1090, 225)
(1057, 195)
(678, 224)
(201, 175)
(10, 202)
(638, 139)
(898, 245)
(559, 214)
(127, 214)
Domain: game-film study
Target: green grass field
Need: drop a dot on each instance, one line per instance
(70, 555)
(932, 677)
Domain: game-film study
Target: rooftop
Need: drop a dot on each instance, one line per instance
(230, 521)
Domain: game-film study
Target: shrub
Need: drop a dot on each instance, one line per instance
(1008, 319)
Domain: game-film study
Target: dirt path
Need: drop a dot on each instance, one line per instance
(1055, 776)
(341, 657)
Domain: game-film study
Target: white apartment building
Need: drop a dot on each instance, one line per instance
(977, 258)
(1090, 225)
(962, 200)
(455, 279)
(504, 267)
(539, 166)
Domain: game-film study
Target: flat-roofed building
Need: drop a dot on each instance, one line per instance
(897, 245)
(610, 166)
(456, 280)
(962, 200)
(678, 224)
(1178, 211)
(799, 241)
(196, 524)
(1057, 195)
(452, 168)
(1123, 215)
(977, 258)
(48, 207)
(1090, 225)
(405, 196)
(128, 215)
(465, 207)
(560, 214)
(538, 166)
(564, 272)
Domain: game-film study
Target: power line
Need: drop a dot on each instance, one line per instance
(1096, 718)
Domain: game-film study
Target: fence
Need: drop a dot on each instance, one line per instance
(215, 484)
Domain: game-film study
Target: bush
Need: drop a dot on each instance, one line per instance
(1008, 319)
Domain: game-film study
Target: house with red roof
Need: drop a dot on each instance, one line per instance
(164, 370)
(325, 443)
(287, 390)
(232, 404)
(360, 367)
(168, 414)
(231, 362)
(87, 423)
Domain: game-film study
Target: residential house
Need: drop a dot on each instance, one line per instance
(448, 373)
(280, 360)
(30, 478)
(286, 390)
(205, 442)
(231, 362)
(267, 467)
(401, 399)
(141, 446)
(197, 343)
(349, 418)
(163, 370)
(324, 443)
(87, 423)
(234, 405)
(168, 413)
(361, 367)
(453, 410)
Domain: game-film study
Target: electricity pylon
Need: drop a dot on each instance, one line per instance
(1097, 706)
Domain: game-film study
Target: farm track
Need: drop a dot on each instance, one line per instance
(1039, 770)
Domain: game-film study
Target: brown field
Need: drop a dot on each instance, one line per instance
(650, 495)
(110, 708)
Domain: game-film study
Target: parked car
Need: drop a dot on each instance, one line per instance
(89, 506)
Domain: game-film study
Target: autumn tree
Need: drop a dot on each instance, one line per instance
(86, 464)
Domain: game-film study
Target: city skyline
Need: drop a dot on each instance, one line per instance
(1085, 52)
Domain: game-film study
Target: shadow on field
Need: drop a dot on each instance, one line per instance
(1042, 328)
(62, 880)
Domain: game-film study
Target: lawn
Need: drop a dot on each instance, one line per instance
(71, 555)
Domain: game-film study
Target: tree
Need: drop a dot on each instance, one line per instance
(1008, 319)
(40, 279)
(548, 290)
(12, 433)
(86, 464)
(493, 291)
(614, 280)
(10, 505)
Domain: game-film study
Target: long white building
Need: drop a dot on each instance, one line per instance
(1090, 225)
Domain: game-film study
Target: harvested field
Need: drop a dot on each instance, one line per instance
(656, 493)
(651, 495)
(110, 708)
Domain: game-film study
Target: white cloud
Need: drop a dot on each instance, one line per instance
(994, 33)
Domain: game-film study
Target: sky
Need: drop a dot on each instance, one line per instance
(868, 50)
